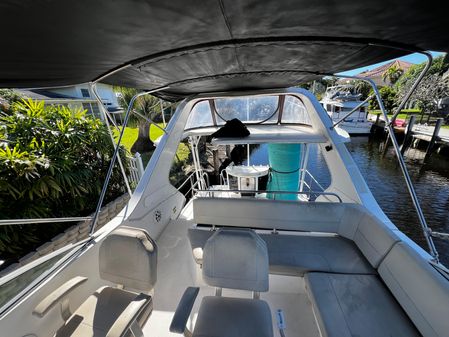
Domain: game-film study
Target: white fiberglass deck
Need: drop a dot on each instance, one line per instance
(177, 271)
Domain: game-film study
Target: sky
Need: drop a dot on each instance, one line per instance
(412, 58)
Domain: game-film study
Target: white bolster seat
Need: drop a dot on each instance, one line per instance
(128, 258)
(235, 259)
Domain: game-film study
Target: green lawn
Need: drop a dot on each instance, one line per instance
(130, 136)
(403, 115)
(406, 113)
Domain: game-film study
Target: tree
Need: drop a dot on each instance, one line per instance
(392, 74)
(389, 98)
(362, 87)
(439, 66)
(431, 89)
(148, 106)
(53, 162)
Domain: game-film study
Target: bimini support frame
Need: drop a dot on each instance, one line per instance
(93, 89)
(389, 125)
(116, 153)
(407, 97)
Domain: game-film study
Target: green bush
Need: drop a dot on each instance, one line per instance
(53, 162)
(389, 98)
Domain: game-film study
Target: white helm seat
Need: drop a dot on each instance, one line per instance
(235, 259)
(127, 257)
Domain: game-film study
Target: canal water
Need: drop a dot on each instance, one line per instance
(386, 182)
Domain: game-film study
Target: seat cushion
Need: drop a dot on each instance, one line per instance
(356, 305)
(233, 317)
(298, 254)
(99, 312)
(421, 290)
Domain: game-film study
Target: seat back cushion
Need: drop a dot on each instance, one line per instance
(269, 214)
(128, 256)
(419, 288)
(236, 259)
(374, 238)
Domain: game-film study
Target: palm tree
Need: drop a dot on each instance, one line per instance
(392, 74)
(361, 87)
(148, 106)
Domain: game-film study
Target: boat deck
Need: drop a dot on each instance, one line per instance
(177, 271)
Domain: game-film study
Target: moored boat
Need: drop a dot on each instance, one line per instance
(341, 103)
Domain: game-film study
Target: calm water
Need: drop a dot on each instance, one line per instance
(386, 182)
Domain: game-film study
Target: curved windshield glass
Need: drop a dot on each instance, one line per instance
(247, 109)
(295, 111)
(200, 116)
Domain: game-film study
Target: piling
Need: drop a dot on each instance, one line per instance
(408, 134)
(433, 140)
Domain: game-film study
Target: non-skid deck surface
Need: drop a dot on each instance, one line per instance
(177, 271)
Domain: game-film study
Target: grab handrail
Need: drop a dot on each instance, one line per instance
(190, 178)
(274, 192)
(389, 126)
(9, 222)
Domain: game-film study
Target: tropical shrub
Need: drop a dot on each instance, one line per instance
(53, 161)
(7, 98)
(389, 98)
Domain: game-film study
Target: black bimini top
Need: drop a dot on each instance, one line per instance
(195, 46)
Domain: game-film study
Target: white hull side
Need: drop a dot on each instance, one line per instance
(357, 129)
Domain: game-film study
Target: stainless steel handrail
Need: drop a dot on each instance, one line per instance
(93, 89)
(9, 222)
(193, 184)
(307, 172)
(310, 193)
(114, 156)
(186, 180)
(389, 126)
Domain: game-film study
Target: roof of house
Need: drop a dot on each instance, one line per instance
(378, 72)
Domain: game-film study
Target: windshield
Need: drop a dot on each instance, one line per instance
(247, 109)
(250, 110)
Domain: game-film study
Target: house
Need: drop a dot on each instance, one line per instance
(376, 74)
(78, 96)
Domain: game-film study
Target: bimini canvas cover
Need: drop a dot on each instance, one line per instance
(196, 46)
